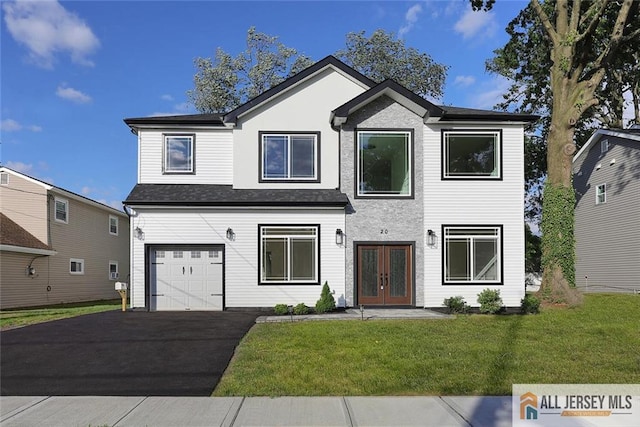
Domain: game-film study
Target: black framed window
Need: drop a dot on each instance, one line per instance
(471, 154)
(289, 254)
(289, 156)
(472, 254)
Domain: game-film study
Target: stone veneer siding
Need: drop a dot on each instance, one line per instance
(365, 218)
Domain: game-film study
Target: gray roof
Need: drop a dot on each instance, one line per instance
(184, 119)
(459, 113)
(225, 195)
(13, 234)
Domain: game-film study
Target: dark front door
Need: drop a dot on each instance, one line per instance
(384, 274)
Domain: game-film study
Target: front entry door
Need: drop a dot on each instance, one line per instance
(384, 275)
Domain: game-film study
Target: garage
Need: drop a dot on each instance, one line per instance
(186, 277)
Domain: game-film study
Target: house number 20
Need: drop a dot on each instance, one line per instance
(384, 231)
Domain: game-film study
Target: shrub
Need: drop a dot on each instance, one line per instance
(456, 305)
(490, 301)
(326, 302)
(300, 309)
(530, 304)
(281, 309)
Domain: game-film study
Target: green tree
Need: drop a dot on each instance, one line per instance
(383, 56)
(225, 82)
(582, 47)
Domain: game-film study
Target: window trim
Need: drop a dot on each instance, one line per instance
(261, 151)
(117, 225)
(117, 269)
(356, 168)
(470, 177)
(165, 169)
(4, 178)
(500, 241)
(77, 261)
(65, 202)
(604, 145)
(289, 283)
(602, 193)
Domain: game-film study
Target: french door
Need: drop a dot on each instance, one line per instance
(384, 274)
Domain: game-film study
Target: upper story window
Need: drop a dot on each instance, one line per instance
(113, 225)
(471, 154)
(178, 154)
(289, 157)
(604, 146)
(384, 161)
(62, 210)
(4, 178)
(601, 194)
(472, 255)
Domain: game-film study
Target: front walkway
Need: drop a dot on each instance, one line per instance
(356, 314)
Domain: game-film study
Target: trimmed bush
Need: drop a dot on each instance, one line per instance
(530, 304)
(281, 309)
(300, 309)
(490, 301)
(326, 302)
(456, 305)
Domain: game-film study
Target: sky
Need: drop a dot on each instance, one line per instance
(72, 71)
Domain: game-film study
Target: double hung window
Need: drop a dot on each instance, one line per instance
(62, 210)
(471, 154)
(289, 254)
(472, 255)
(178, 153)
(289, 156)
(384, 163)
(601, 194)
(113, 225)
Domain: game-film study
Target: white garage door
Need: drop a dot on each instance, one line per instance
(185, 278)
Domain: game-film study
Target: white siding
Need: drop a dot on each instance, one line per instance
(213, 157)
(199, 226)
(475, 202)
(307, 107)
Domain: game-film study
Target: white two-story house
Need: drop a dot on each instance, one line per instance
(327, 177)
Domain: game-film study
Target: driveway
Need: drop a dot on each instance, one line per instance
(122, 354)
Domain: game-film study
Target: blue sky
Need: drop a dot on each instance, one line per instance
(72, 71)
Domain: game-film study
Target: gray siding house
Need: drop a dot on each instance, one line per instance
(606, 178)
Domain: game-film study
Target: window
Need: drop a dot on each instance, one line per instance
(113, 225)
(472, 255)
(4, 178)
(384, 163)
(289, 254)
(113, 270)
(62, 210)
(178, 153)
(177, 254)
(601, 194)
(289, 156)
(76, 266)
(604, 146)
(471, 155)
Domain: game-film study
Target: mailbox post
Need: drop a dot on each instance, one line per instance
(121, 287)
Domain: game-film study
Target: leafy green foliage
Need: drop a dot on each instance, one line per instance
(281, 309)
(456, 305)
(558, 243)
(490, 301)
(383, 56)
(326, 302)
(532, 251)
(300, 309)
(530, 304)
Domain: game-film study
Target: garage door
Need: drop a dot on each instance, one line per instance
(186, 278)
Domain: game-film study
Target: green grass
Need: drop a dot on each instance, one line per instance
(30, 316)
(468, 355)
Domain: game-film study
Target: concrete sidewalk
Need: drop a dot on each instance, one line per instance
(356, 314)
(254, 411)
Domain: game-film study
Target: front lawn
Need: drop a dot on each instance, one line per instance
(28, 316)
(598, 342)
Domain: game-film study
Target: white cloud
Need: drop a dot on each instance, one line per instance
(86, 190)
(464, 81)
(72, 94)
(166, 97)
(410, 19)
(46, 28)
(473, 24)
(490, 93)
(10, 125)
(20, 167)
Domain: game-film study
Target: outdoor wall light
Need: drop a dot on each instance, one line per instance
(431, 238)
(139, 233)
(230, 234)
(339, 236)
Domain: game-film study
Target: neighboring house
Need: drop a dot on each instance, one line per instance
(606, 178)
(328, 177)
(57, 246)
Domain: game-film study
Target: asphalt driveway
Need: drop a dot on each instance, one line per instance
(122, 354)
